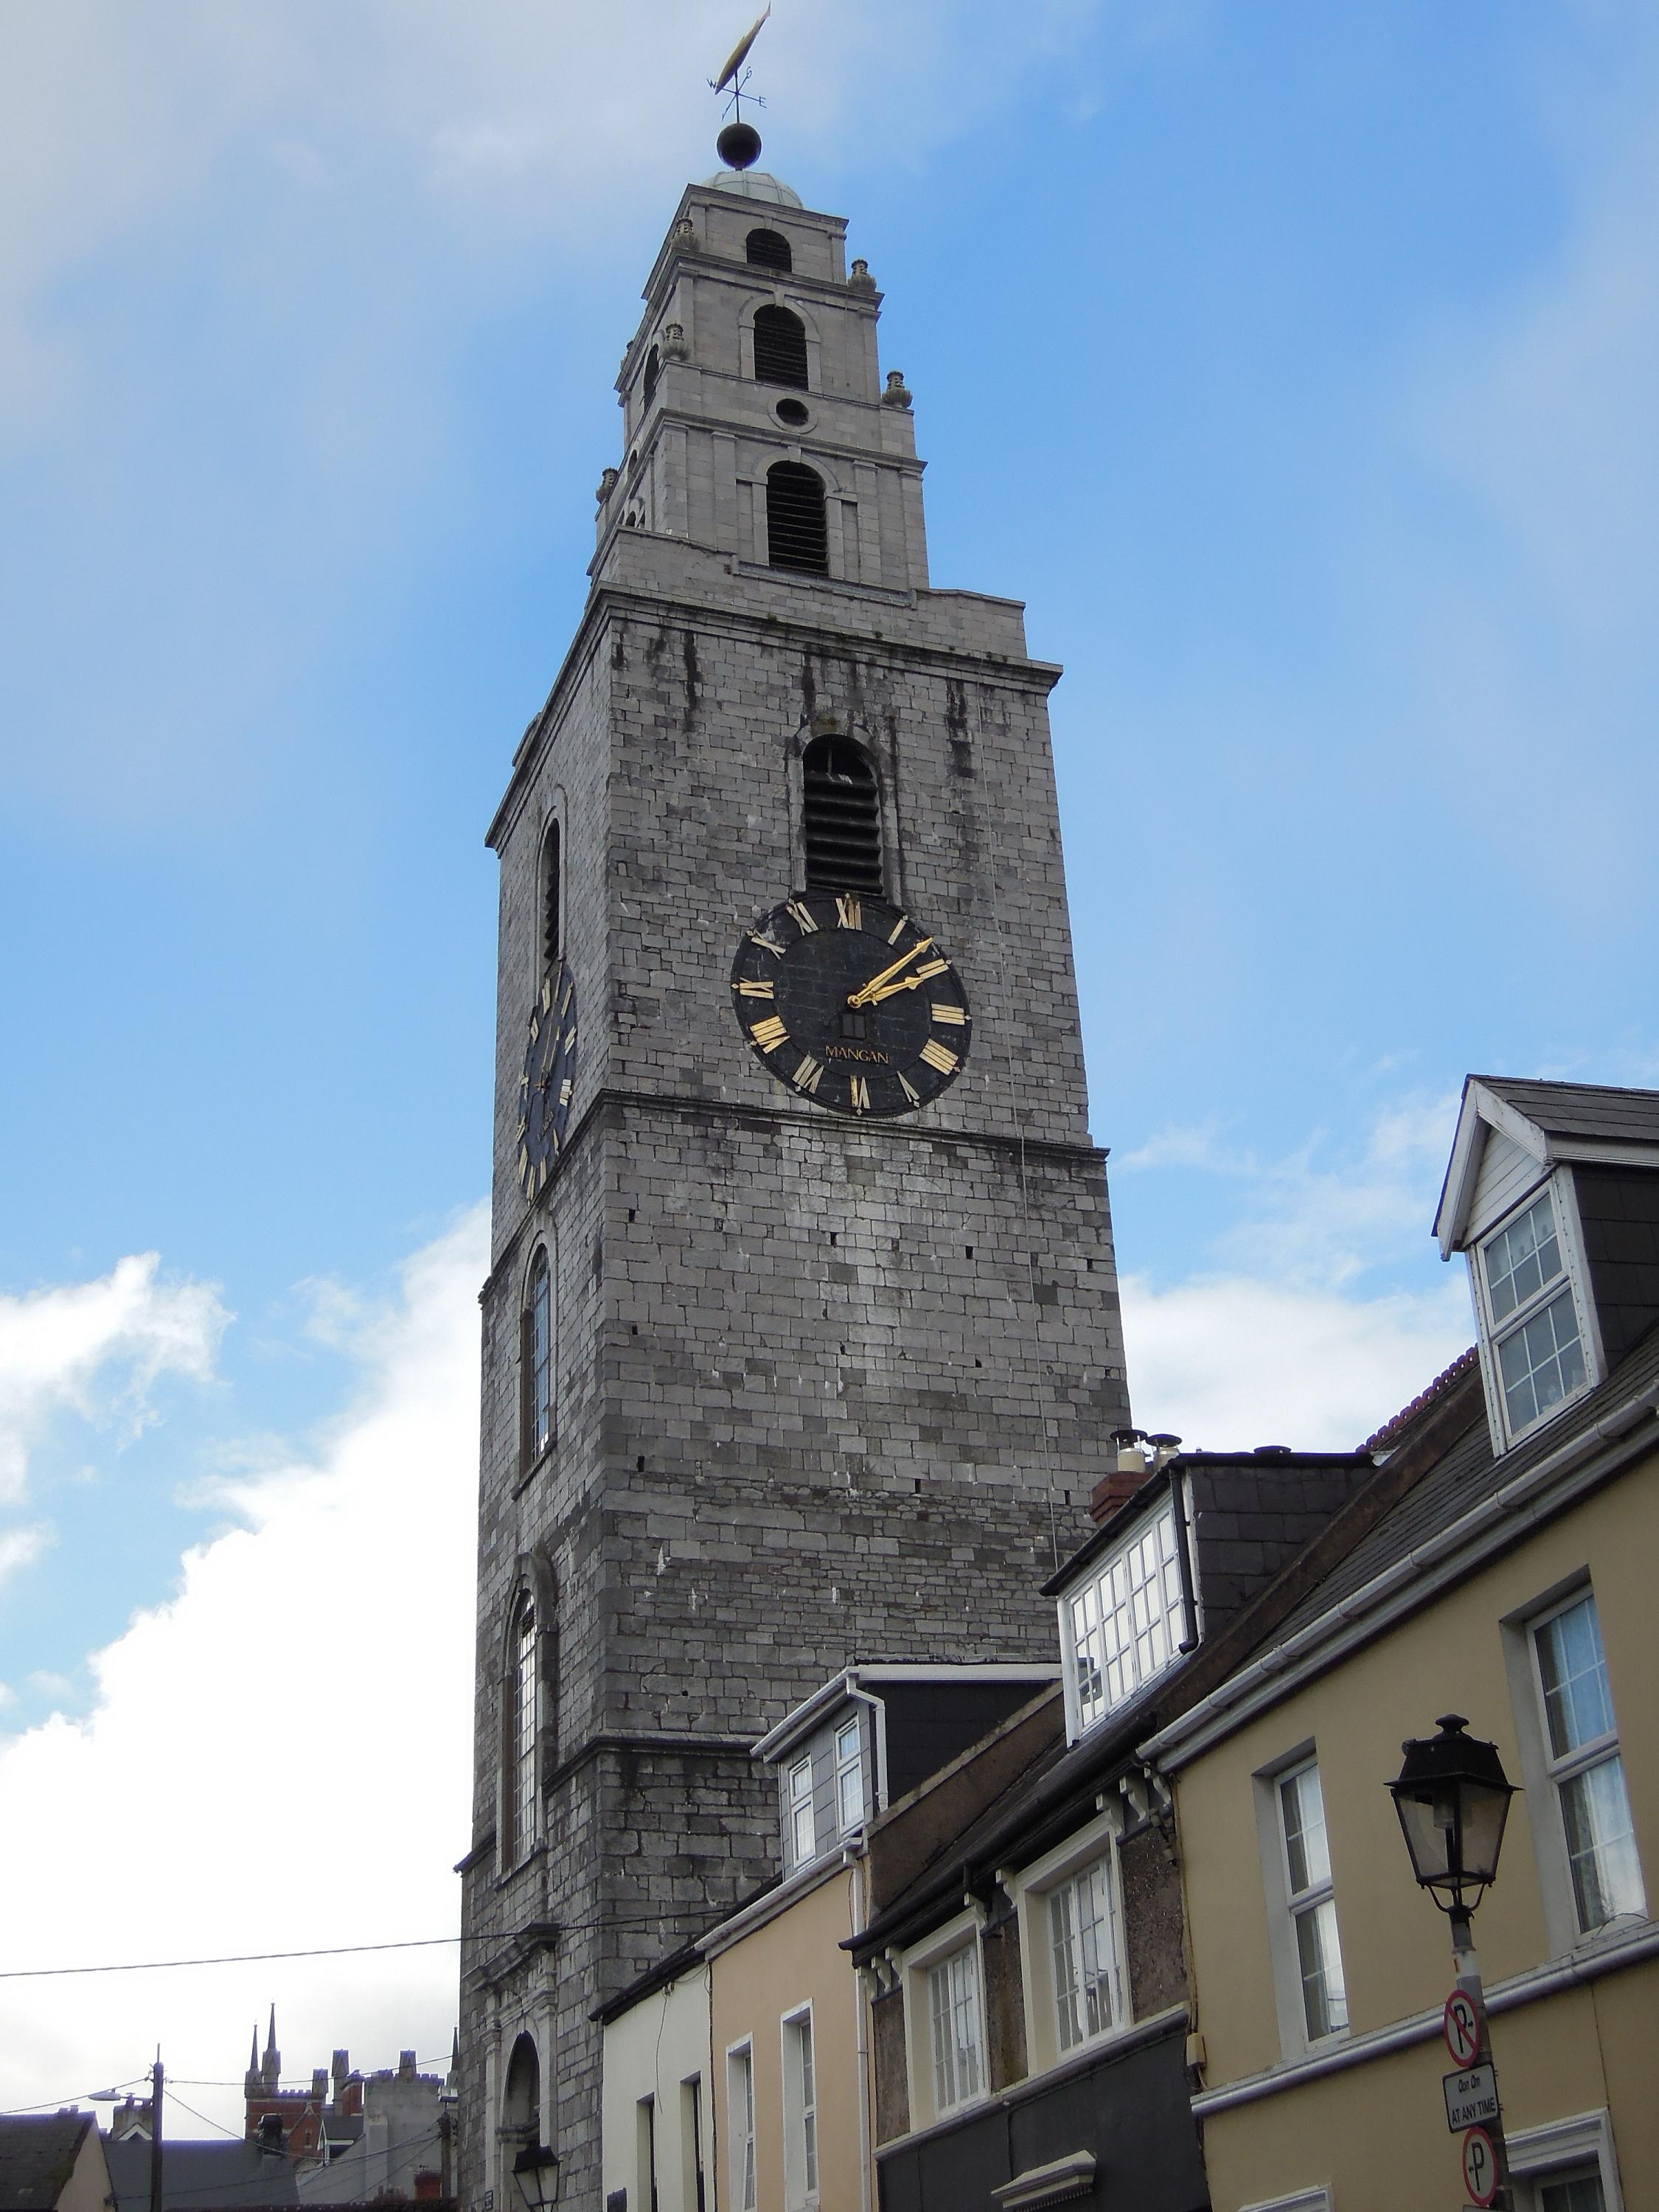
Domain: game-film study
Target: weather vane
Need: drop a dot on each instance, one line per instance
(740, 143)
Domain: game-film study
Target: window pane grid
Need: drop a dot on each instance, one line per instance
(1541, 1363)
(802, 1836)
(1521, 1259)
(1083, 1932)
(1313, 1910)
(849, 1778)
(1587, 1768)
(953, 2004)
(522, 1747)
(1124, 1623)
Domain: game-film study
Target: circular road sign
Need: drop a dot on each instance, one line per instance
(1479, 2166)
(1461, 2026)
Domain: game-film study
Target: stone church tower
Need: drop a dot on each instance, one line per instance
(801, 1340)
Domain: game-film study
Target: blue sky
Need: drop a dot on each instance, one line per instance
(1294, 362)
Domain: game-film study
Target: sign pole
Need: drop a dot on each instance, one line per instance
(1468, 1982)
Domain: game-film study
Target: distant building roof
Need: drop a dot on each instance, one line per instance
(199, 2177)
(38, 2153)
(1389, 1436)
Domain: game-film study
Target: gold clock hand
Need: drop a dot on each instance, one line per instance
(907, 982)
(865, 995)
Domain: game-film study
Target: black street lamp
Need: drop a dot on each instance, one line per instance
(536, 2178)
(1453, 1797)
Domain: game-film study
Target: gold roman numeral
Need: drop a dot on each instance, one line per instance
(940, 1056)
(897, 930)
(849, 912)
(909, 1090)
(766, 942)
(769, 1034)
(953, 1017)
(564, 1003)
(547, 994)
(860, 1095)
(565, 1090)
(763, 988)
(806, 1077)
(802, 917)
(931, 968)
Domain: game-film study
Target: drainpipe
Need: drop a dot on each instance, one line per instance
(852, 1862)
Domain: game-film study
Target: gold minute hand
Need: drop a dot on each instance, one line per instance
(907, 982)
(866, 995)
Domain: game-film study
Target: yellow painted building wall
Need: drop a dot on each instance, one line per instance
(768, 1974)
(1376, 2133)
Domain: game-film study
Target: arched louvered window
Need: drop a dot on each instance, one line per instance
(779, 347)
(536, 1360)
(797, 532)
(653, 371)
(840, 818)
(521, 2096)
(769, 249)
(552, 891)
(522, 1728)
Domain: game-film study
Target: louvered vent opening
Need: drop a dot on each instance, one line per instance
(550, 889)
(769, 249)
(797, 535)
(779, 347)
(653, 371)
(840, 818)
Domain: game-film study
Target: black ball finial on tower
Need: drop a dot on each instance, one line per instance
(738, 145)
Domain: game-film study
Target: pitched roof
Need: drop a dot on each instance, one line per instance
(1550, 1120)
(37, 2151)
(199, 2177)
(1581, 1109)
(1392, 1433)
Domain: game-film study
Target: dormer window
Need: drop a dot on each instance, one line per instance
(1126, 1622)
(1531, 1315)
(849, 1778)
(802, 1835)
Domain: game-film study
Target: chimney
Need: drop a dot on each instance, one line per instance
(429, 2186)
(1132, 1469)
(270, 2133)
(405, 2065)
(319, 2084)
(342, 2067)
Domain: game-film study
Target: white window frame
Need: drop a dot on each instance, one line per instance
(960, 1933)
(744, 2171)
(522, 1732)
(801, 2165)
(1559, 2148)
(1173, 1624)
(1543, 1773)
(849, 1769)
(1032, 1890)
(1493, 1331)
(1284, 1907)
(795, 1804)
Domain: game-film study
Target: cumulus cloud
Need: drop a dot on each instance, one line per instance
(97, 1349)
(277, 1758)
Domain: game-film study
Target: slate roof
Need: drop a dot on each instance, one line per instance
(1466, 1476)
(199, 2177)
(1581, 1109)
(37, 2151)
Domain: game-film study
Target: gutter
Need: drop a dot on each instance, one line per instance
(1400, 1589)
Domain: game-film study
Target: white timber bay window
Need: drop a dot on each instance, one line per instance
(1306, 1948)
(803, 1837)
(944, 2021)
(849, 1776)
(801, 2113)
(1126, 1622)
(740, 2125)
(1531, 1314)
(1075, 1982)
(1585, 1768)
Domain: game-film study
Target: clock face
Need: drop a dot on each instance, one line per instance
(548, 1079)
(851, 1004)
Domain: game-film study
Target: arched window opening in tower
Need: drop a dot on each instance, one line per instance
(522, 2097)
(653, 370)
(538, 1361)
(552, 890)
(523, 1717)
(779, 347)
(797, 529)
(840, 818)
(769, 249)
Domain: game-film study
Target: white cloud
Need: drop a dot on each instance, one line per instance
(278, 1758)
(22, 1547)
(97, 1349)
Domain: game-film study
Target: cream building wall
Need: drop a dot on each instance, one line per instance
(1374, 2134)
(88, 2189)
(658, 2049)
(771, 1963)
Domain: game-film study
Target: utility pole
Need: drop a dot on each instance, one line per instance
(155, 2134)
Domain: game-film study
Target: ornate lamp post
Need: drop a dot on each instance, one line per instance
(1453, 1797)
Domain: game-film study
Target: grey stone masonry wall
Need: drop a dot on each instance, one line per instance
(824, 1390)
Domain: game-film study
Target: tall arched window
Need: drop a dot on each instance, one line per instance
(840, 818)
(779, 347)
(769, 249)
(653, 370)
(552, 893)
(797, 531)
(536, 1360)
(522, 1728)
(522, 2094)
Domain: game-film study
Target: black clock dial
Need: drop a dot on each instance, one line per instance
(549, 1078)
(851, 1003)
